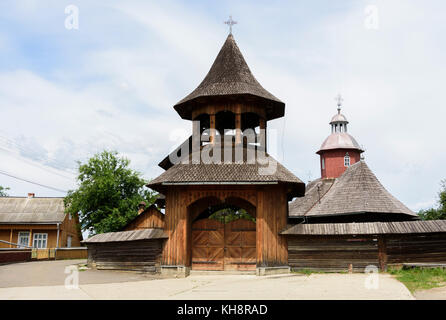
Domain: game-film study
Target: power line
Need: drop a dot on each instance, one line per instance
(38, 165)
(66, 169)
(32, 182)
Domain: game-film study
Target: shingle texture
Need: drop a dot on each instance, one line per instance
(371, 228)
(357, 190)
(230, 76)
(142, 234)
(228, 173)
(314, 192)
(31, 210)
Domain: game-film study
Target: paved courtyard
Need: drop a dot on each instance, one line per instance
(46, 279)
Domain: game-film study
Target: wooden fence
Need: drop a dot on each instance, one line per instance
(341, 253)
(12, 255)
(138, 255)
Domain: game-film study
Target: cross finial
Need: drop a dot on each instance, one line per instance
(230, 23)
(339, 100)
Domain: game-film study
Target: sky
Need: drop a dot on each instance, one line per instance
(111, 83)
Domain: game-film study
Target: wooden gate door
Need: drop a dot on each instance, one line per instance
(240, 245)
(208, 243)
(218, 246)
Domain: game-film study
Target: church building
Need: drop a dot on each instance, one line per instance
(230, 206)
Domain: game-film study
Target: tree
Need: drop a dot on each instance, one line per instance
(108, 195)
(440, 211)
(3, 191)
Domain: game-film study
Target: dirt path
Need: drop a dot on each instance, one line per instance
(112, 285)
(431, 294)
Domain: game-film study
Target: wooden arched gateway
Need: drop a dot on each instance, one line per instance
(225, 162)
(224, 238)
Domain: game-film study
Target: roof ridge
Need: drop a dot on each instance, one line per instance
(230, 75)
(358, 190)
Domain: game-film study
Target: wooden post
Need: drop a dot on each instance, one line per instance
(382, 253)
(262, 124)
(10, 239)
(30, 242)
(212, 128)
(238, 128)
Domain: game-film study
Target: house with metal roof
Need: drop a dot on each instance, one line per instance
(37, 222)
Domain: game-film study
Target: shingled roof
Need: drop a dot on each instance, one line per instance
(357, 190)
(228, 173)
(370, 228)
(141, 234)
(20, 210)
(230, 78)
(314, 192)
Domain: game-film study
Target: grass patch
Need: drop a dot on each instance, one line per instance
(306, 272)
(420, 278)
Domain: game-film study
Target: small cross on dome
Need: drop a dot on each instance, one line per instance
(339, 100)
(230, 23)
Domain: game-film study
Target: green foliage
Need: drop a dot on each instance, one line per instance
(3, 191)
(420, 278)
(438, 213)
(227, 215)
(108, 195)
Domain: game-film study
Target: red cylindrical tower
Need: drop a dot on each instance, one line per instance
(340, 149)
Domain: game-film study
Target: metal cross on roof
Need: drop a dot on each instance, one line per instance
(230, 23)
(339, 100)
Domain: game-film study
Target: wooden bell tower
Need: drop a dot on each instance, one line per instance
(229, 111)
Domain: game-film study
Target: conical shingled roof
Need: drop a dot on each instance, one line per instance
(230, 78)
(357, 190)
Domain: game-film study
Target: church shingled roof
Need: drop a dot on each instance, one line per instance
(228, 173)
(230, 77)
(357, 190)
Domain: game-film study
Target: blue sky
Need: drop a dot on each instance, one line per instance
(66, 94)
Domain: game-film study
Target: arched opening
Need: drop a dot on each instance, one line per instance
(225, 120)
(223, 234)
(204, 121)
(250, 120)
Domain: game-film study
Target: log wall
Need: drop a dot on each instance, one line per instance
(416, 248)
(332, 254)
(139, 255)
(336, 253)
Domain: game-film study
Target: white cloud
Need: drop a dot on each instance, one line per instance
(118, 85)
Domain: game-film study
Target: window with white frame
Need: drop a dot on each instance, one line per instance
(69, 239)
(40, 240)
(23, 239)
(323, 163)
(347, 160)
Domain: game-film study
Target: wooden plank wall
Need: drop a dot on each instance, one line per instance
(416, 248)
(149, 218)
(332, 254)
(336, 253)
(177, 224)
(272, 209)
(139, 255)
(73, 253)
